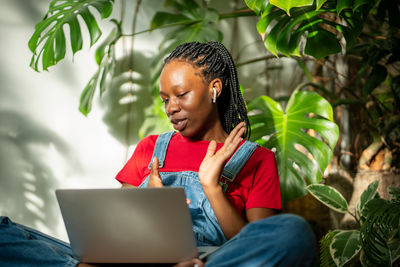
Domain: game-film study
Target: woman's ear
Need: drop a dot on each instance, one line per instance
(217, 84)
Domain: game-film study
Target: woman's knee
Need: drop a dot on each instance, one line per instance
(287, 229)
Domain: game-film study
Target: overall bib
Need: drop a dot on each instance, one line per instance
(205, 224)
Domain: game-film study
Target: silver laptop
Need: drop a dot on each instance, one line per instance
(128, 225)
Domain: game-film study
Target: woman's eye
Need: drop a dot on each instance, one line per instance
(164, 100)
(180, 95)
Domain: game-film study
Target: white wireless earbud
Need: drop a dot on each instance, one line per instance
(215, 95)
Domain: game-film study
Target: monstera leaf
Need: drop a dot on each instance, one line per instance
(193, 22)
(302, 155)
(315, 23)
(48, 42)
(189, 22)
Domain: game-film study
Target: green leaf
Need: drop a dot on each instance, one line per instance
(193, 23)
(321, 43)
(105, 46)
(163, 18)
(377, 76)
(60, 46)
(272, 37)
(300, 157)
(358, 3)
(329, 196)
(394, 193)
(287, 41)
(380, 227)
(75, 35)
(91, 23)
(270, 13)
(394, 247)
(343, 4)
(87, 95)
(366, 196)
(372, 206)
(258, 6)
(322, 32)
(345, 245)
(286, 5)
(325, 253)
(355, 25)
(319, 4)
(48, 42)
(396, 89)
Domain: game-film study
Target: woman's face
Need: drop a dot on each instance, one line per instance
(188, 100)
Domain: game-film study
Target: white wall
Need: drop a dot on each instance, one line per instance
(45, 142)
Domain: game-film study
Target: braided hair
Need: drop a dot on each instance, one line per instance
(216, 62)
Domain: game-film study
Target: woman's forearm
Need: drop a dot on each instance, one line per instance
(228, 218)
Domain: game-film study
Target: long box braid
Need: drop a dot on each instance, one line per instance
(216, 62)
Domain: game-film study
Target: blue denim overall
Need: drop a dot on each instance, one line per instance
(205, 224)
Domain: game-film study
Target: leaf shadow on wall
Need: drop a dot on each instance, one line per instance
(126, 98)
(27, 170)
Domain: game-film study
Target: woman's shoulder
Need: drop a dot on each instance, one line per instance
(262, 154)
(149, 141)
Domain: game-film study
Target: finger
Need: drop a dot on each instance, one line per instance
(190, 263)
(233, 142)
(238, 137)
(235, 132)
(188, 201)
(155, 178)
(198, 263)
(211, 149)
(154, 167)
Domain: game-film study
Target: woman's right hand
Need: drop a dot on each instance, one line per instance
(155, 178)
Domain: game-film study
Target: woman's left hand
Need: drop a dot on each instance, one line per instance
(191, 263)
(213, 163)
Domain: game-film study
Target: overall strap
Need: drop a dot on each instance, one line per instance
(160, 148)
(237, 161)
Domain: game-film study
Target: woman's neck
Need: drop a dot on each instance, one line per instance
(215, 132)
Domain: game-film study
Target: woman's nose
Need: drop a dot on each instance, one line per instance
(172, 106)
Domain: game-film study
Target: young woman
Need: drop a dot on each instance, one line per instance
(232, 185)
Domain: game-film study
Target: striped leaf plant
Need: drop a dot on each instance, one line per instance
(376, 242)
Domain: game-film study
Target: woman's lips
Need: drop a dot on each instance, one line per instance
(179, 125)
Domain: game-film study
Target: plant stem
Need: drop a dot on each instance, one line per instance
(318, 87)
(234, 14)
(131, 83)
(268, 57)
(237, 13)
(347, 101)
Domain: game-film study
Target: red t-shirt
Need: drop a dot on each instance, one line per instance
(256, 185)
